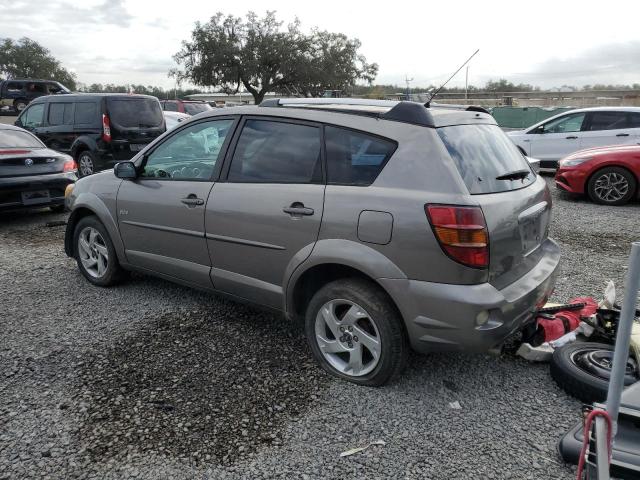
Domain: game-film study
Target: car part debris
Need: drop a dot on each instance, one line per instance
(353, 451)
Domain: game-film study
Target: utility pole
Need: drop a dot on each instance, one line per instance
(408, 81)
(466, 86)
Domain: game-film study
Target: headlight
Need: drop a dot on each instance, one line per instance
(68, 190)
(573, 162)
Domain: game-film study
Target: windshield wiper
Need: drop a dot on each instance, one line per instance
(515, 175)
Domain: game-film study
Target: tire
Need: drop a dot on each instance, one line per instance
(612, 186)
(584, 379)
(91, 260)
(373, 332)
(86, 162)
(20, 105)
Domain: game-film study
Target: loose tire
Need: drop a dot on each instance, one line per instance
(612, 186)
(355, 332)
(95, 254)
(583, 369)
(86, 163)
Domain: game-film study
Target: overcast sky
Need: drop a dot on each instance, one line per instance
(545, 43)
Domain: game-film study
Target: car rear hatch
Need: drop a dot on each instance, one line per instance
(29, 162)
(515, 201)
(134, 121)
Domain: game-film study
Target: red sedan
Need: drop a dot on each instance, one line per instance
(608, 175)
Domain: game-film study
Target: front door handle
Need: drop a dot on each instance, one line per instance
(571, 137)
(622, 135)
(298, 209)
(192, 200)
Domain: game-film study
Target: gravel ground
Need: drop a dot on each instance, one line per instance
(152, 380)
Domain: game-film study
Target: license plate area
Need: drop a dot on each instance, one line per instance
(136, 147)
(36, 197)
(532, 224)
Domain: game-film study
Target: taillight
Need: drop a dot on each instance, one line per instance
(106, 128)
(69, 166)
(461, 232)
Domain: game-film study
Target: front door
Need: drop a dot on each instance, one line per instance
(161, 213)
(558, 138)
(267, 213)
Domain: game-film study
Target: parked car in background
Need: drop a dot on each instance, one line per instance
(16, 94)
(190, 107)
(97, 129)
(563, 134)
(31, 175)
(172, 119)
(379, 225)
(608, 175)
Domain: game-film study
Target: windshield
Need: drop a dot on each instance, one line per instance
(18, 139)
(482, 153)
(135, 112)
(195, 108)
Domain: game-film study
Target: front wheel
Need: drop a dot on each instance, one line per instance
(612, 186)
(86, 163)
(355, 332)
(95, 253)
(19, 105)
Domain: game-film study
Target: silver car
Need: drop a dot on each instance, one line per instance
(380, 226)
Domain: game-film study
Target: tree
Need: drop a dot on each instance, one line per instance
(260, 55)
(26, 58)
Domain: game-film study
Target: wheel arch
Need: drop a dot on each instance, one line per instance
(81, 144)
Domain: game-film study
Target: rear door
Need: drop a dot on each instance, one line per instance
(269, 208)
(608, 128)
(161, 213)
(558, 138)
(517, 211)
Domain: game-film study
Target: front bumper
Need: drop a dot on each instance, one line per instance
(571, 180)
(11, 189)
(442, 317)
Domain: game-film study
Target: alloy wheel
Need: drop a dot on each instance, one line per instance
(348, 337)
(93, 252)
(611, 187)
(85, 165)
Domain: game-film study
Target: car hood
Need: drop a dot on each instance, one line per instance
(609, 150)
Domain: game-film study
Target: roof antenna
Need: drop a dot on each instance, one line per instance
(428, 104)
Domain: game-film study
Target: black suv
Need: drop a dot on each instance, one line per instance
(16, 94)
(97, 129)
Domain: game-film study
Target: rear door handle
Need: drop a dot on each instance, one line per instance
(622, 135)
(298, 208)
(192, 200)
(571, 137)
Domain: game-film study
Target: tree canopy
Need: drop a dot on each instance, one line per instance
(257, 53)
(26, 58)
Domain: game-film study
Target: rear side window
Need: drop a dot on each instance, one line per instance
(60, 114)
(135, 112)
(355, 158)
(634, 118)
(276, 152)
(608, 121)
(86, 113)
(481, 153)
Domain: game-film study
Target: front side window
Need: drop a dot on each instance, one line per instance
(15, 87)
(86, 113)
(570, 123)
(608, 121)
(190, 154)
(32, 117)
(60, 114)
(277, 152)
(355, 158)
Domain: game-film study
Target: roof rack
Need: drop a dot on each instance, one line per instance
(399, 111)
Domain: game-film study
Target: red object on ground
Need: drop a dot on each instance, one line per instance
(574, 179)
(566, 321)
(586, 434)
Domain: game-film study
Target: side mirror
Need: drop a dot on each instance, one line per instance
(125, 170)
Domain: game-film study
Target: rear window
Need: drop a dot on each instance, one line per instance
(482, 153)
(135, 112)
(18, 139)
(86, 113)
(195, 108)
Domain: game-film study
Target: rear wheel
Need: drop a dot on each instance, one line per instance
(355, 332)
(95, 253)
(86, 163)
(612, 186)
